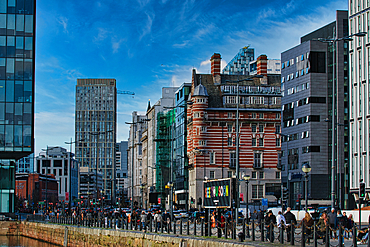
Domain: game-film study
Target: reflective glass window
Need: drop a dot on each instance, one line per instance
(18, 135)
(27, 91)
(27, 113)
(2, 24)
(18, 91)
(28, 69)
(11, 24)
(20, 23)
(11, 6)
(2, 6)
(28, 7)
(9, 113)
(10, 46)
(2, 113)
(2, 46)
(2, 136)
(18, 112)
(9, 135)
(2, 68)
(20, 6)
(27, 135)
(9, 91)
(18, 68)
(10, 68)
(2, 90)
(28, 26)
(28, 47)
(19, 47)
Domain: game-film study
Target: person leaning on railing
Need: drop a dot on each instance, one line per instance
(321, 225)
(290, 219)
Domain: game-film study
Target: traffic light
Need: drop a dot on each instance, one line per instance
(362, 190)
(285, 194)
(192, 200)
(200, 201)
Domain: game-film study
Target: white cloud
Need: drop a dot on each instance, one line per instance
(148, 26)
(102, 34)
(206, 62)
(64, 22)
(116, 45)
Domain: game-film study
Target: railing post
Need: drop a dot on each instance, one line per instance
(303, 235)
(327, 237)
(174, 226)
(340, 236)
(282, 234)
(262, 231)
(188, 230)
(292, 230)
(314, 235)
(253, 233)
(354, 235)
(195, 227)
(201, 227)
(271, 229)
(181, 226)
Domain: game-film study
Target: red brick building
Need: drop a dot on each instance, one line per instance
(212, 130)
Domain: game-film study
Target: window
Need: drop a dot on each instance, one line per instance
(254, 115)
(257, 191)
(277, 142)
(277, 175)
(203, 129)
(257, 163)
(261, 115)
(254, 174)
(254, 142)
(260, 127)
(229, 174)
(261, 175)
(229, 141)
(212, 158)
(202, 143)
(277, 128)
(229, 114)
(254, 128)
(229, 128)
(260, 142)
(211, 174)
(232, 159)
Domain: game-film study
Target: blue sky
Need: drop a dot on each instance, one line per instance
(146, 45)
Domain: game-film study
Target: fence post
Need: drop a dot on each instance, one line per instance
(281, 234)
(314, 235)
(181, 226)
(187, 230)
(292, 230)
(262, 231)
(327, 237)
(253, 233)
(201, 227)
(354, 235)
(340, 242)
(195, 227)
(271, 229)
(303, 235)
(174, 226)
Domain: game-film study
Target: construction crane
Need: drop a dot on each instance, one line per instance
(125, 92)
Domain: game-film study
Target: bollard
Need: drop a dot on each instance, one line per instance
(303, 237)
(201, 227)
(209, 227)
(181, 226)
(340, 236)
(66, 237)
(327, 237)
(354, 235)
(161, 226)
(292, 229)
(156, 226)
(226, 233)
(195, 227)
(188, 230)
(253, 233)
(233, 234)
(271, 230)
(131, 224)
(314, 235)
(174, 226)
(281, 235)
(243, 226)
(150, 225)
(262, 231)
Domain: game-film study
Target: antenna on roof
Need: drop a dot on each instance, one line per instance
(200, 78)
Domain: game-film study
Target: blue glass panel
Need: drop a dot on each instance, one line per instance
(11, 24)
(2, 90)
(28, 7)
(20, 23)
(2, 113)
(18, 112)
(2, 68)
(9, 135)
(28, 47)
(26, 135)
(9, 91)
(2, 135)
(18, 135)
(19, 43)
(10, 46)
(9, 113)
(10, 68)
(28, 69)
(27, 113)
(20, 7)
(18, 91)
(2, 46)
(11, 6)
(28, 27)
(18, 69)
(3, 6)
(2, 24)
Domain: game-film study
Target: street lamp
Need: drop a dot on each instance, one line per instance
(246, 179)
(306, 168)
(333, 41)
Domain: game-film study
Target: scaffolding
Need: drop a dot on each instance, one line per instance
(165, 124)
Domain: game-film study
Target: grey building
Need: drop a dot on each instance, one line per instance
(95, 127)
(17, 84)
(307, 86)
(121, 169)
(57, 161)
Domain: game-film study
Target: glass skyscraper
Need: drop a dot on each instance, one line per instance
(95, 127)
(17, 73)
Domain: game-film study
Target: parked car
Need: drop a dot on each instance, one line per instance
(184, 214)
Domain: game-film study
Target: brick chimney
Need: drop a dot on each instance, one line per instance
(216, 64)
(262, 65)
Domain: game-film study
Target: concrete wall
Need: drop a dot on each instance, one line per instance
(82, 236)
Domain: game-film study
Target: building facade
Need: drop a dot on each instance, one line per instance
(121, 172)
(17, 84)
(307, 108)
(26, 164)
(95, 127)
(359, 66)
(211, 127)
(61, 163)
(239, 65)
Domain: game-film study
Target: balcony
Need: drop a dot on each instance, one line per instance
(257, 165)
(232, 165)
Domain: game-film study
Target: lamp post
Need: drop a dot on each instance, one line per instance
(246, 179)
(333, 42)
(306, 168)
(170, 186)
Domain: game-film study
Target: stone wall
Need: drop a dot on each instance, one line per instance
(10, 228)
(96, 237)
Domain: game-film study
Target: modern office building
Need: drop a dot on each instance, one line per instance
(212, 131)
(359, 91)
(17, 84)
(181, 173)
(95, 126)
(26, 164)
(61, 163)
(121, 170)
(307, 108)
(239, 65)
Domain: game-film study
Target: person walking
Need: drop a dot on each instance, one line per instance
(340, 222)
(158, 219)
(143, 220)
(260, 218)
(332, 215)
(270, 220)
(322, 224)
(281, 221)
(308, 223)
(290, 219)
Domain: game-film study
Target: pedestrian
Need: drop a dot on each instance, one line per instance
(143, 220)
(332, 215)
(281, 222)
(322, 224)
(167, 220)
(349, 226)
(158, 219)
(290, 219)
(308, 223)
(270, 220)
(340, 222)
(222, 224)
(260, 218)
